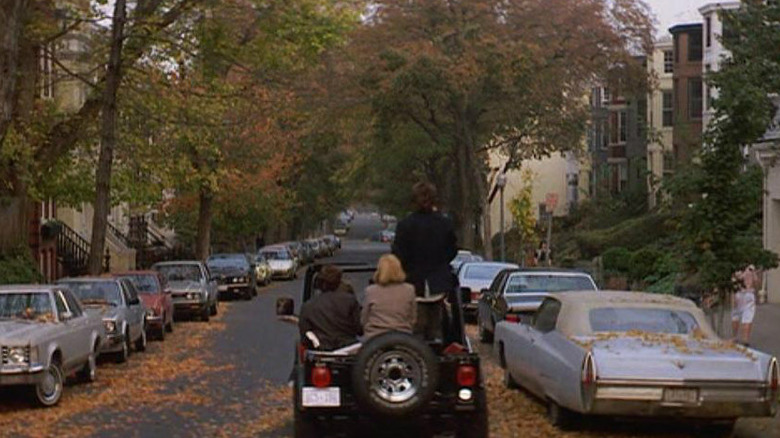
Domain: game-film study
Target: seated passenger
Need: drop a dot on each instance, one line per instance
(389, 304)
(333, 316)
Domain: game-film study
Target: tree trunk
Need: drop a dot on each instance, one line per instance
(12, 14)
(205, 213)
(464, 210)
(107, 141)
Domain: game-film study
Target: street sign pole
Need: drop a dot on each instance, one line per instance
(501, 183)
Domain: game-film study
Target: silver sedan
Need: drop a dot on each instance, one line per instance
(634, 354)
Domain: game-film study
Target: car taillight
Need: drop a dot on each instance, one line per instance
(467, 375)
(773, 375)
(511, 317)
(588, 371)
(320, 376)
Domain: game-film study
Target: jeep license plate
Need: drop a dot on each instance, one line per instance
(321, 397)
(681, 395)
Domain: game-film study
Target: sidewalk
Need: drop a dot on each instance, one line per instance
(766, 338)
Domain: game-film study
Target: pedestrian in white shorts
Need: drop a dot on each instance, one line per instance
(744, 305)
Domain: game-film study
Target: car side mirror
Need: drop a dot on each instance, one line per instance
(167, 291)
(285, 307)
(64, 316)
(135, 302)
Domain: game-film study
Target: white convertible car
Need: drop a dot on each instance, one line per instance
(634, 354)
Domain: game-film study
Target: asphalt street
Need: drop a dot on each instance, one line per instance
(228, 378)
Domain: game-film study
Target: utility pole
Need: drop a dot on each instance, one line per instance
(501, 183)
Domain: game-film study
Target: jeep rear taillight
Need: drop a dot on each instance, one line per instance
(321, 376)
(511, 317)
(467, 375)
(774, 375)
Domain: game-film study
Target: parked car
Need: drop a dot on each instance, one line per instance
(115, 300)
(46, 336)
(463, 257)
(193, 290)
(393, 379)
(156, 296)
(387, 236)
(295, 248)
(340, 228)
(474, 277)
(234, 275)
(333, 243)
(307, 253)
(319, 248)
(634, 354)
(517, 293)
(263, 271)
(283, 265)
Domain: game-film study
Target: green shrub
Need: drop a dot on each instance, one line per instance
(631, 234)
(617, 259)
(18, 267)
(643, 263)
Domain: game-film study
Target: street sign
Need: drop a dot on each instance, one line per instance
(551, 201)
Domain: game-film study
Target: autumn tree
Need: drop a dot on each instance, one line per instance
(720, 227)
(446, 83)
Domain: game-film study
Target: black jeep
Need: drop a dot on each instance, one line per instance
(395, 382)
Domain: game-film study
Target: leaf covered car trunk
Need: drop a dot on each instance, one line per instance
(672, 357)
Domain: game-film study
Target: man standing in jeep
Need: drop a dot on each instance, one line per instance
(425, 243)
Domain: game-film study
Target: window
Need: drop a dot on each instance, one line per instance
(676, 48)
(668, 61)
(619, 127)
(668, 162)
(73, 304)
(708, 30)
(617, 319)
(707, 89)
(605, 97)
(694, 46)
(641, 118)
(668, 109)
(47, 71)
(694, 98)
(59, 301)
(622, 176)
(547, 316)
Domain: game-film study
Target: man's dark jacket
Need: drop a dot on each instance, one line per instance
(334, 317)
(425, 243)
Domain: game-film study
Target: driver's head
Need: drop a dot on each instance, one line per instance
(330, 278)
(424, 196)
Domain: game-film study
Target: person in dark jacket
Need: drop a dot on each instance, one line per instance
(333, 316)
(425, 243)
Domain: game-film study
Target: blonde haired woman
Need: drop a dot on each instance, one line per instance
(389, 304)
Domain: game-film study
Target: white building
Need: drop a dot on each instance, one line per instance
(714, 52)
(660, 117)
(767, 154)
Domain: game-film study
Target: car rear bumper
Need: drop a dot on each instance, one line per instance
(233, 288)
(711, 402)
(189, 306)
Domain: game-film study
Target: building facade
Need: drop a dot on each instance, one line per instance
(688, 91)
(714, 52)
(660, 117)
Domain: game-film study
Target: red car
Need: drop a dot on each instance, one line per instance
(156, 296)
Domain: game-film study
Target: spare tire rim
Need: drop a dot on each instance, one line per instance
(396, 376)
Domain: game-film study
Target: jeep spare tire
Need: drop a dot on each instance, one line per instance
(395, 374)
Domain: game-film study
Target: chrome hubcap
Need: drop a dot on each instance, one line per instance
(396, 377)
(50, 385)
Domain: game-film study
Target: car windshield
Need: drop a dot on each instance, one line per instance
(666, 321)
(180, 272)
(96, 292)
(276, 255)
(482, 272)
(228, 260)
(26, 305)
(144, 283)
(519, 284)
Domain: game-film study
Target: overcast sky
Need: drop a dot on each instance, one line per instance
(671, 12)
